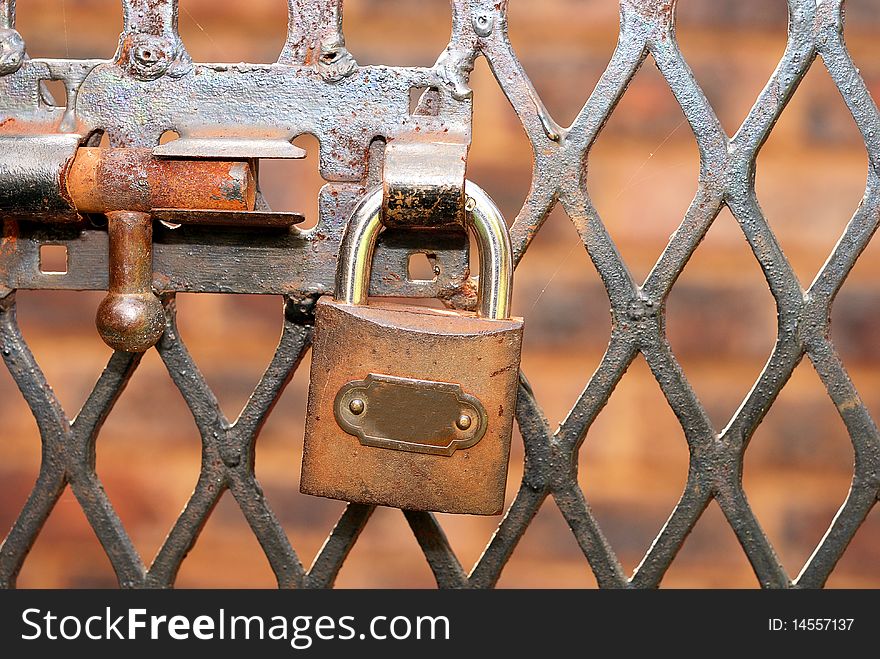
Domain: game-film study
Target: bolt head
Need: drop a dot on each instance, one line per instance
(151, 56)
(483, 24)
(148, 55)
(464, 422)
(357, 406)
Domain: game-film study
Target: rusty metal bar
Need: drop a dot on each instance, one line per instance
(101, 180)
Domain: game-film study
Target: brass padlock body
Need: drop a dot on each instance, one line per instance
(457, 372)
(481, 355)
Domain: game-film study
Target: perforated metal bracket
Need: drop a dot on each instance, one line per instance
(242, 111)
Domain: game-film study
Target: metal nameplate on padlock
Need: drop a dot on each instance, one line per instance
(407, 414)
(409, 406)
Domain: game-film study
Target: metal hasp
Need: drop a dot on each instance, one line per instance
(52, 179)
(129, 185)
(233, 112)
(423, 399)
(126, 185)
(423, 183)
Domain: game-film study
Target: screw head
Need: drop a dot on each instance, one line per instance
(463, 422)
(148, 55)
(151, 56)
(483, 24)
(356, 406)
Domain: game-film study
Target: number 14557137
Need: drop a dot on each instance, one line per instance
(811, 624)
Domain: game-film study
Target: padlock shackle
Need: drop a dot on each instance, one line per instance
(483, 219)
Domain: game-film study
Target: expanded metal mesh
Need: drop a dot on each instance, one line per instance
(727, 178)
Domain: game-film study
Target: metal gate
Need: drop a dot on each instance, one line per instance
(317, 87)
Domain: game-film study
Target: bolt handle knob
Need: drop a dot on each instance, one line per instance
(131, 318)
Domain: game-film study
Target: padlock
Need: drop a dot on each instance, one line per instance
(412, 407)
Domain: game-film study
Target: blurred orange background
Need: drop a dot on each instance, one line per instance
(643, 171)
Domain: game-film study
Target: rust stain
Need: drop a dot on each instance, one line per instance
(101, 180)
(8, 245)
